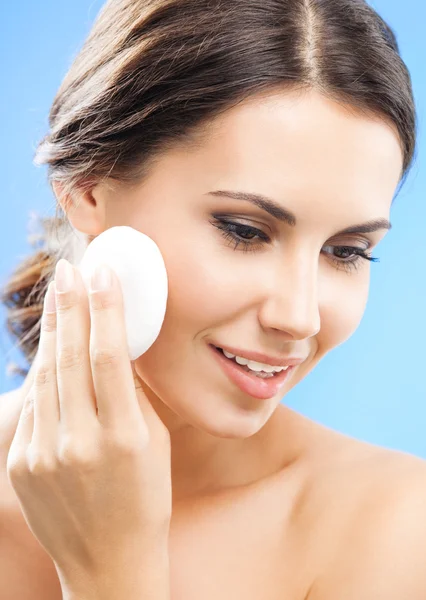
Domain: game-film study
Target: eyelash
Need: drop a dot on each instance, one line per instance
(229, 230)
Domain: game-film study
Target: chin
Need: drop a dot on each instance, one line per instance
(224, 418)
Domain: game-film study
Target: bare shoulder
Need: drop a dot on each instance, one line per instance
(369, 504)
(344, 459)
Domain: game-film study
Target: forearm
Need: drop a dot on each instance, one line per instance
(149, 579)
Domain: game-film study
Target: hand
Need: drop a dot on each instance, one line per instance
(90, 459)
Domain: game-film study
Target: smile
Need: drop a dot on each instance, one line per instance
(259, 385)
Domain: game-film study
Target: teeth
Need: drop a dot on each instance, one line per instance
(253, 365)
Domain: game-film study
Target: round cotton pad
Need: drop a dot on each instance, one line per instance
(139, 265)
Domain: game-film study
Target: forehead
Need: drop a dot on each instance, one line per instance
(306, 142)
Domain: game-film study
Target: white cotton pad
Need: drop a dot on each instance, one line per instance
(139, 265)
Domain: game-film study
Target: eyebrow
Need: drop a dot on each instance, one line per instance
(282, 214)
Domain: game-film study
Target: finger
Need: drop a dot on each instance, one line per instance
(23, 433)
(111, 366)
(77, 400)
(46, 400)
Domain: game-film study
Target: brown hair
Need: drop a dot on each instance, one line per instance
(152, 72)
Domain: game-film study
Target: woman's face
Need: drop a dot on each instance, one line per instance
(297, 291)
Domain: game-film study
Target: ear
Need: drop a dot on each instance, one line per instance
(86, 211)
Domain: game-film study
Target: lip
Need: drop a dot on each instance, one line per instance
(290, 361)
(262, 389)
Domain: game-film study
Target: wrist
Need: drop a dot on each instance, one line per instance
(143, 576)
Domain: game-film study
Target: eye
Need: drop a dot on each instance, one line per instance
(240, 234)
(352, 257)
(252, 238)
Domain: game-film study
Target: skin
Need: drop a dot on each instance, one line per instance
(333, 168)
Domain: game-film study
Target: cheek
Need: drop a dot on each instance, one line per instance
(201, 293)
(203, 287)
(342, 312)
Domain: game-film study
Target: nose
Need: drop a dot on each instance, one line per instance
(292, 302)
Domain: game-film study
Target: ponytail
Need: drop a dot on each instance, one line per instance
(23, 294)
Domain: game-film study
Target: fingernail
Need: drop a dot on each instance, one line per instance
(64, 276)
(101, 279)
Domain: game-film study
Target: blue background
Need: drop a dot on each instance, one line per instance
(373, 386)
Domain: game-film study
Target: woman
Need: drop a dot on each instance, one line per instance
(260, 145)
